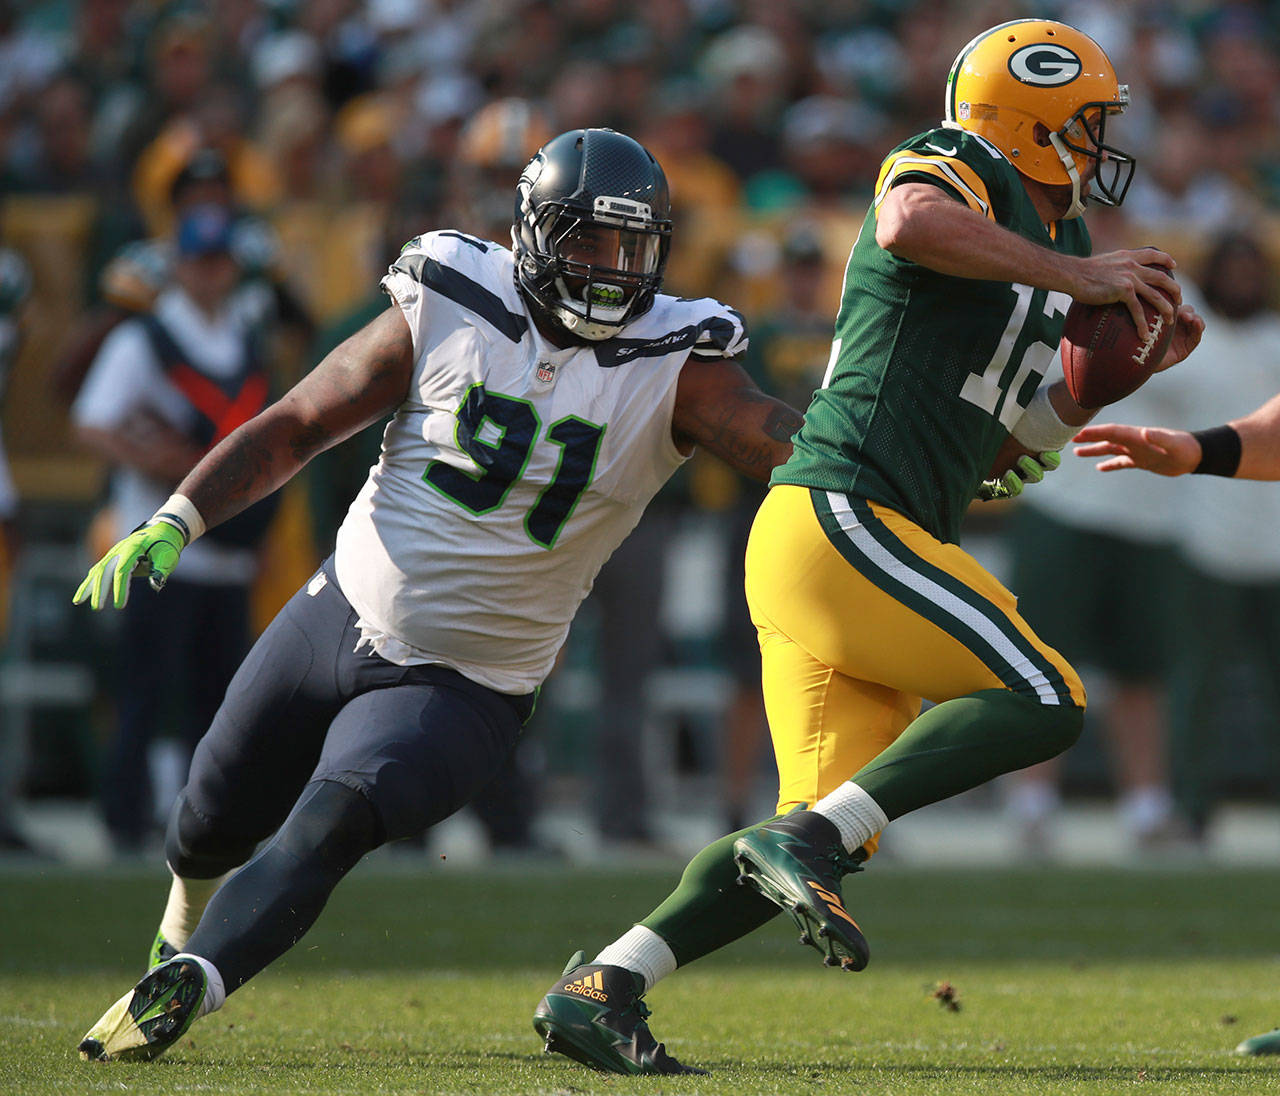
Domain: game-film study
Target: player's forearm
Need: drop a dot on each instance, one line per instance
(1066, 408)
(755, 436)
(952, 239)
(747, 429)
(1259, 442)
(355, 385)
(247, 465)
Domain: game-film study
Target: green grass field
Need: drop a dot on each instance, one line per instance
(424, 981)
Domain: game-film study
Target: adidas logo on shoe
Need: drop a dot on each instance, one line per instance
(834, 905)
(590, 985)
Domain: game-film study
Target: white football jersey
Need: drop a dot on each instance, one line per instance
(513, 469)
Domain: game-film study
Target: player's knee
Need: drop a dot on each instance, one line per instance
(1061, 726)
(332, 827)
(197, 848)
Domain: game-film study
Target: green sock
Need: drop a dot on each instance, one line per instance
(709, 909)
(963, 743)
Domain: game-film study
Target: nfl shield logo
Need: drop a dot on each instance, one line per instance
(546, 372)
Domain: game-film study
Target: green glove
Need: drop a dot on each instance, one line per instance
(1026, 469)
(152, 549)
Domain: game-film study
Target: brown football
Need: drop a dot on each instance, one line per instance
(1104, 358)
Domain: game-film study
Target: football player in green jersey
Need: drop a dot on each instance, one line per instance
(953, 306)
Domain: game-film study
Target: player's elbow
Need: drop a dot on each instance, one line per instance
(903, 224)
(893, 227)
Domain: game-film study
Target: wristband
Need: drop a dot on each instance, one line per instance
(1219, 451)
(1040, 429)
(180, 512)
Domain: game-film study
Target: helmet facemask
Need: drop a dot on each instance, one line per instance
(600, 271)
(1078, 141)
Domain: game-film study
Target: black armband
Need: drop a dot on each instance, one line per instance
(1219, 451)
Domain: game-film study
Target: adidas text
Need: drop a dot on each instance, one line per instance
(587, 991)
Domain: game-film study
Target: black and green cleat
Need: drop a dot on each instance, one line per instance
(595, 1015)
(1258, 1045)
(797, 863)
(151, 1017)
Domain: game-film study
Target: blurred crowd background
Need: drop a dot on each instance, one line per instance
(332, 131)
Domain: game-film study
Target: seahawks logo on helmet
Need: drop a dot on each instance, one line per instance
(1045, 65)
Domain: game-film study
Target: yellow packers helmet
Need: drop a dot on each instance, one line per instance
(1031, 72)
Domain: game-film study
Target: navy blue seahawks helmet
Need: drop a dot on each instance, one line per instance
(592, 231)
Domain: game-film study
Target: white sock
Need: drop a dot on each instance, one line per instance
(215, 993)
(182, 913)
(1146, 809)
(857, 816)
(643, 951)
(1033, 801)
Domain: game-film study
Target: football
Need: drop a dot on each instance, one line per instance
(1104, 358)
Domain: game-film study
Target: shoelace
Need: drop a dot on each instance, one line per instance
(842, 862)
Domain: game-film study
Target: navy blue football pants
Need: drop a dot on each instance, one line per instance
(333, 753)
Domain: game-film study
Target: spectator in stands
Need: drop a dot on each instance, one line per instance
(54, 155)
(164, 387)
(1117, 623)
(1182, 187)
(746, 69)
(15, 287)
(1226, 533)
(790, 345)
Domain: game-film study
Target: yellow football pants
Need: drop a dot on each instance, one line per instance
(860, 613)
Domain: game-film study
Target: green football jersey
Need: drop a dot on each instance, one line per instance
(929, 372)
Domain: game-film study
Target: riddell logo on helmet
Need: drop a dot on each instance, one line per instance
(1045, 65)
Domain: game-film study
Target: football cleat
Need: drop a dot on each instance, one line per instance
(151, 1017)
(1257, 1045)
(161, 951)
(797, 862)
(595, 1015)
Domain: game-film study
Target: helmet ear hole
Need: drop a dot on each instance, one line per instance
(1041, 135)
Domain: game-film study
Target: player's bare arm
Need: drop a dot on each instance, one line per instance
(921, 223)
(1178, 452)
(719, 407)
(355, 385)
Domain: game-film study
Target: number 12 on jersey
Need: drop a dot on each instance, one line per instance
(984, 389)
(498, 433)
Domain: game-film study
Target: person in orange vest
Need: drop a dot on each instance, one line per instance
(166, 386)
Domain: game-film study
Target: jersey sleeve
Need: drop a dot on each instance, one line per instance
(963, 165)
(722, 334)
(459, 272)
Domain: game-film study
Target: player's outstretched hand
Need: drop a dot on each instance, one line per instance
(153, 549)
(1027, 469)
(1166, 452)
(1130, 277)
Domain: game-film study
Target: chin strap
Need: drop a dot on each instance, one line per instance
(1068, 162)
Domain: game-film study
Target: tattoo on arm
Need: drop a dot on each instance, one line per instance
(223, 488)
(737, 434)
(782, 423)
(354, 386)
(309, 440)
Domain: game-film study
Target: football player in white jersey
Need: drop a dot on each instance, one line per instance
(542, 396)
